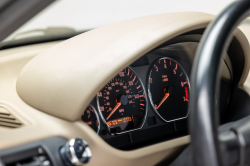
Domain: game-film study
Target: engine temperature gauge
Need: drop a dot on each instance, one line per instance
(90, 117)
(168, 89)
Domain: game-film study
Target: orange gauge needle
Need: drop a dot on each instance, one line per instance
(113, 111)
(164, 98)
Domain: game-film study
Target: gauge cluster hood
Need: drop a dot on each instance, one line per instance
(62, 80)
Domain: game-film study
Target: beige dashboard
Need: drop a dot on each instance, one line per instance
(43, 85)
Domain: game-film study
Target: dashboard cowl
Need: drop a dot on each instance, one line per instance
(62, 80)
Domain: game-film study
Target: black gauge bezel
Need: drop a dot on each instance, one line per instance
(148, 88)
(146, 111)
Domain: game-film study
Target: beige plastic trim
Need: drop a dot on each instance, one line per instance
(61, 81)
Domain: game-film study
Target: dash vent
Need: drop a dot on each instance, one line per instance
(8, 120)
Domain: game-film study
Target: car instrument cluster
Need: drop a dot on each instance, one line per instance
(122, 103)
(146, 102)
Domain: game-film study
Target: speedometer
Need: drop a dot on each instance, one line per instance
(122, 103)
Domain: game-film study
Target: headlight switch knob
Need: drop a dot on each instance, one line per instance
(76, 152)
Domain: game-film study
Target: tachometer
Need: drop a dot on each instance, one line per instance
(168, 89)
(122, 103)
(90, 117)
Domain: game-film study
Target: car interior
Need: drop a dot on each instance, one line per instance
(165, 89)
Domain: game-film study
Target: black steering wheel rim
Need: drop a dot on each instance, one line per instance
(203, 119)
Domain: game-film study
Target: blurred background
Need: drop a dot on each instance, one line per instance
(76, 16)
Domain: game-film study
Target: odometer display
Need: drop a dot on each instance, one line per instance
(168, 87)
(122, 103)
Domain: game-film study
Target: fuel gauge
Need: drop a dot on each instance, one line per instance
(90, 117)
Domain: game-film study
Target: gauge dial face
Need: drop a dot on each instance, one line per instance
(90, 117)
(122, 103)
(168, 87)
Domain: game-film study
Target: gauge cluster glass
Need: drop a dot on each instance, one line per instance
(168, 89)
(122, 102)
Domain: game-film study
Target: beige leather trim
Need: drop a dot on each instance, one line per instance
(64, 79)
(61, 81)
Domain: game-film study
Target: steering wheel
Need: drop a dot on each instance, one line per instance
(207, 148)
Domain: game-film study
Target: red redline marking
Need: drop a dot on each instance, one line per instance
(138, 86)
(186, 92)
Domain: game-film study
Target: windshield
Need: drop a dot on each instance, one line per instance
(76, 16)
